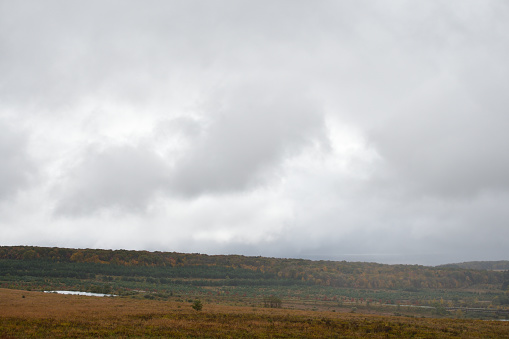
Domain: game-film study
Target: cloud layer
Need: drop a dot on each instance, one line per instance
(337, 130)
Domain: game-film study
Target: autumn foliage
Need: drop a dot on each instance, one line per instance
(325, 273)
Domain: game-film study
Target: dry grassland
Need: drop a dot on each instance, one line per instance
(25, 314)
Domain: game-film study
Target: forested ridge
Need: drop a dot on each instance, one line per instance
(237, 268)
(500, 265)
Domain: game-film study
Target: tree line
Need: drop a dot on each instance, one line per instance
(37, 261)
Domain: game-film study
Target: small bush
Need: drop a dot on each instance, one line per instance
(197, 305)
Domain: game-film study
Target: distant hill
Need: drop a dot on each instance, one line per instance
(500, 265)
(182, 265)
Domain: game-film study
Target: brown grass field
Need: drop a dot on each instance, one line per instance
(26, 314)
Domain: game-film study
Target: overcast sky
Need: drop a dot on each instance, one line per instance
(338, 130)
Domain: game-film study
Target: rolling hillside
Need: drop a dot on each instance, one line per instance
(237, 269)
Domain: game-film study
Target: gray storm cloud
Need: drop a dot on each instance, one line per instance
(342, 130)
(17, 167)
(452, 145)
(252, 131)
(118, 177)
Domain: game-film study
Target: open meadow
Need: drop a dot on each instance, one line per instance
(31, 314)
